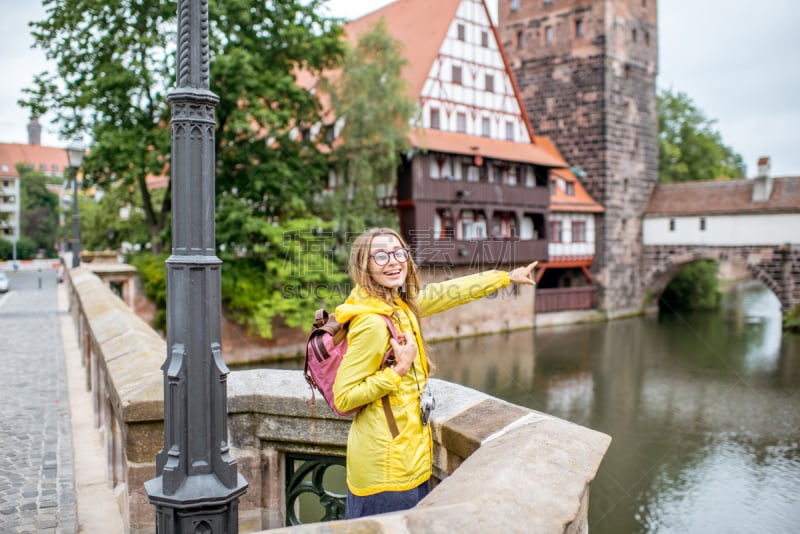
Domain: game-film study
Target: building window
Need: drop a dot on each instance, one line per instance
(456, 74)
(443, 224)
(702, 224)
(578, 231)
(462, 33)
(435, 118)
(548, 34)
(472, 225)
(672, 225)
(555, 232)
(514, 5)
(461, 123)
(489, 83)
(579, 28)
(509, 130)
(486, 127)
(485, 39)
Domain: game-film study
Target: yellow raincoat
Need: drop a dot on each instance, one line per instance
(376, 462)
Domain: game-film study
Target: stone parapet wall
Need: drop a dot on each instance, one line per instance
(499, 465)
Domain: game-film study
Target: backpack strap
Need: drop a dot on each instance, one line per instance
(387, 407)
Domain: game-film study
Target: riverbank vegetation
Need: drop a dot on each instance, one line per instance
(791, 321)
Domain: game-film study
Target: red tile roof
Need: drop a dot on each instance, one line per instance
(420, 25)
(723, 197)
(560, 201)
(53, 159)
(459, 143)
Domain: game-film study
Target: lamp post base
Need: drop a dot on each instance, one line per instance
(201, 504)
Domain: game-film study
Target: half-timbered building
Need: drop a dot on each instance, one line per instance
(474, 189)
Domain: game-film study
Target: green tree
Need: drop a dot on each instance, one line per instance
(690, 149)
(116, 64)
(103, 226)
(38, 209)
(372, 111)
(694, 288)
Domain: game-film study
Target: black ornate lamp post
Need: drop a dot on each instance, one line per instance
(197, 487)
(75, 152)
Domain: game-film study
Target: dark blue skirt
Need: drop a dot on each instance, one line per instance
(384, 502)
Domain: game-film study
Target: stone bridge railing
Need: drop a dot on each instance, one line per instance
(778, 267)
(501, 467)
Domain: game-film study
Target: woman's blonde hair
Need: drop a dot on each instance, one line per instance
(359, 270)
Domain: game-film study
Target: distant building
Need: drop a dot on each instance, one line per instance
(49, 160)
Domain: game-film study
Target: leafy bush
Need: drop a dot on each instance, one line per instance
(694, 288)
(153, 274)
(791, 321)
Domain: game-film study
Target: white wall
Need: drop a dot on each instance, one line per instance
(724, 230)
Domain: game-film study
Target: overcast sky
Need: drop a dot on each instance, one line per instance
(738, 61)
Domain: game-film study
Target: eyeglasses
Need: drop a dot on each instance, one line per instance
(382, 258)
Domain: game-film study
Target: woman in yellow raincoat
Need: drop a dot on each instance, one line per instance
(387, 472)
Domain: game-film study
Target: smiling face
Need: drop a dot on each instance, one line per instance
(393, 274)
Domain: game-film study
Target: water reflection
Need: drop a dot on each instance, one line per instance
(703, 409)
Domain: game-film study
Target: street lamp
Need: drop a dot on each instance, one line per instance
(75, 152)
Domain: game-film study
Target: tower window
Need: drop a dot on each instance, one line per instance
(647, 38)
(635, 35)
(462, 33)
(514, 5)
(579, 28)
(456, 74)
(520, 38)
(548, 34)
(627, 72)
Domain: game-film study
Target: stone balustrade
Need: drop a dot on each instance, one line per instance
(499, 467)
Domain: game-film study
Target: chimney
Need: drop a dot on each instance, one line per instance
(34, 132)
(763, 166)
(762, 184)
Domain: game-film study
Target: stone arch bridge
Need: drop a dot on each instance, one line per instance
(753, 224)
(777, 267)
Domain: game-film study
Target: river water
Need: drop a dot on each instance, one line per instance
(703, 409)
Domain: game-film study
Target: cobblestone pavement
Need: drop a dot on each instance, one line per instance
(36, 468)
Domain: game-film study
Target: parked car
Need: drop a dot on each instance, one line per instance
(3, 283)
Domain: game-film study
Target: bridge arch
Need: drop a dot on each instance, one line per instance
(778, 268)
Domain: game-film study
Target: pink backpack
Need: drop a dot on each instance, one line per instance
(325, 349)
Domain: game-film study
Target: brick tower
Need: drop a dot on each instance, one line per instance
(586, 70)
